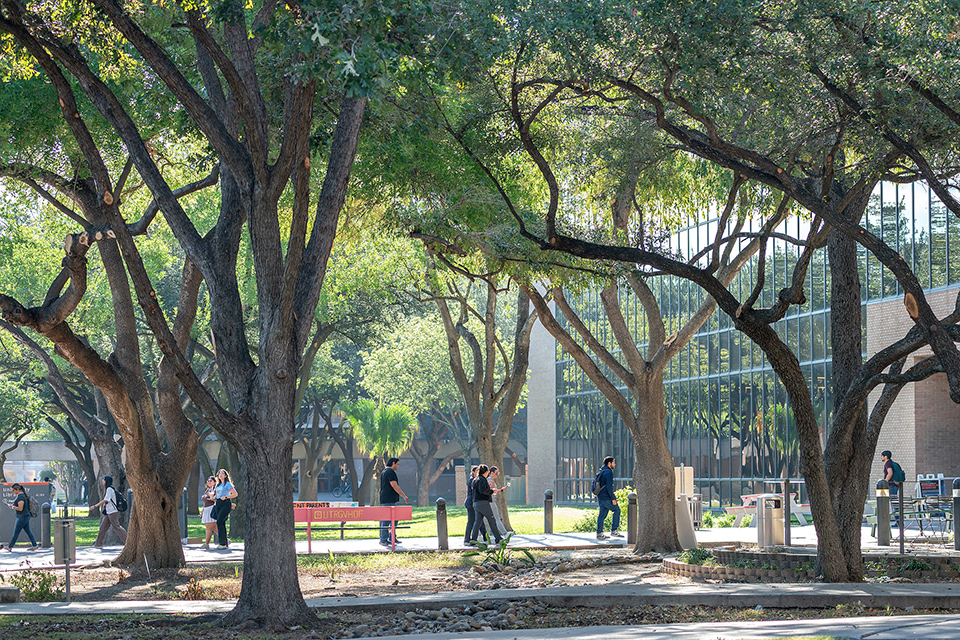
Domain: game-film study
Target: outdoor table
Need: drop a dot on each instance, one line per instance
(749, 507)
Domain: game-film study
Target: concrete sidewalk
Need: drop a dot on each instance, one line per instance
(875, 628)
(802, 538)
(769, 596)
(21, 558)
(900, 596)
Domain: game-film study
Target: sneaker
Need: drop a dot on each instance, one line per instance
(616, 534)
(602, 536)
(384, 543)
(471, 543)
(34, 547)
(205, 545)
(222, 546)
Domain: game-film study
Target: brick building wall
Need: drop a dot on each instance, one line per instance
(922, 429)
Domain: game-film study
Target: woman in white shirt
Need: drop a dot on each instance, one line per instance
(108, 515)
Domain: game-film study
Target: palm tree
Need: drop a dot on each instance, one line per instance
(379, 431)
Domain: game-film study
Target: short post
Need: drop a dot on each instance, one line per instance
(900, 515)
(956, 512)
(65, 550)
(182, 513)
(442, 542)
(633, 524)
(786, 512)
(883, 513)
(548, 511)
(45, 525)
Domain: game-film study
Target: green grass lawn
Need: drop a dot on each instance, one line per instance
(524, 519)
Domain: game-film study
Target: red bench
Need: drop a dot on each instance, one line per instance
(309, 515)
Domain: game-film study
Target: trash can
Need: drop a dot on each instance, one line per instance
(696, 510)
(769, 520)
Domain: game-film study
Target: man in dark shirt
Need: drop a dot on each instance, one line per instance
(390, 494)
(608, 500)
(886, 457)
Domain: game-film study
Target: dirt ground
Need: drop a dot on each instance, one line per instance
(222, 582)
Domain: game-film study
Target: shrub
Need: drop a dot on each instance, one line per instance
(915, 564)
(38, 586)
(696, 556)
(588, 521)
(500, 553)
(717, 520)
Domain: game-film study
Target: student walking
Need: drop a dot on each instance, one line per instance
(482, 493)
(607, 500)
(471, 512)
(109, 518)
(225, 492)
(492, 479)
(21, 504)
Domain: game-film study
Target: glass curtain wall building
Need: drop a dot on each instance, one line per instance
(728, 417)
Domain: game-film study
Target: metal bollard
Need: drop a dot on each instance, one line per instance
(900, 515)
(633, 524)
(45, 525)
(548, 511)
(956, 511)
(786, 512)
(442, 536)
(182, 513)
(883, 513)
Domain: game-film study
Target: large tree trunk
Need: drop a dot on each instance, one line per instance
(362, 494)
(653, 469)
(153, 534)
(270, 590)
(849, 451)
(785, 364)
(308, 478)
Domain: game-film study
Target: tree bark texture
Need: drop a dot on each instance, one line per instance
(653, 474)
(849, 451)
(270, 582)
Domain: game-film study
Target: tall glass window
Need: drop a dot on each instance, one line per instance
(728, 416)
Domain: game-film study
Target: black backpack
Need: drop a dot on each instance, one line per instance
(595, 486)
(121, 502)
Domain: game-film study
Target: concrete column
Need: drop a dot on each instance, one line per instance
(541, 415)
(461, 483)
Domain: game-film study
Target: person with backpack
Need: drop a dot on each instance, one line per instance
(603, 489)
(894, 475)
(21, 504)
(109, 518)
